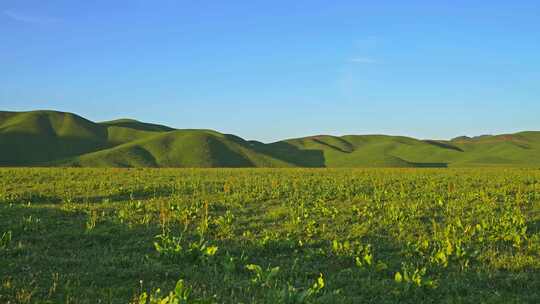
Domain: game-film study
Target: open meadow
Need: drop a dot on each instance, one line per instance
(72, 235)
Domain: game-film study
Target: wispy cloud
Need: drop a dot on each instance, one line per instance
(29, 17)
(363, 60)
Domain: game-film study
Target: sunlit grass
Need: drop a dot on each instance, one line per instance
(269, 235)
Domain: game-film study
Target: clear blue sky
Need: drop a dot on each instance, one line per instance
(270, 70)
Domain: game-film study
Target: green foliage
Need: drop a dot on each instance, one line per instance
(174, 248)
(31, 223)
(262, 277)
(85, 235)
(5, 240)
(413, 276)
(91, 222)
(182, 294)
(291, 295)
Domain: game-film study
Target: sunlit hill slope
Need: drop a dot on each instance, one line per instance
(51, 138)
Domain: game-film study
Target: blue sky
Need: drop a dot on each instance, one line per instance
(270, 70)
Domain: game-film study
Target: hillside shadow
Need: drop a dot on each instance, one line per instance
(443, 145)
(27, 149)
(430, 165)
(140, 126)
(291, 154)
(224, 157)
(334, 146)
(284, 151)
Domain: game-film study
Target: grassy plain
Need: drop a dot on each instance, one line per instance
(269, 235)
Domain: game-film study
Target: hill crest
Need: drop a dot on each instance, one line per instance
(54, 138)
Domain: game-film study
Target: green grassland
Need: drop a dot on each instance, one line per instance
(395, 235)
(50, 138)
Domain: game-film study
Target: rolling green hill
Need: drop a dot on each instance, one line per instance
(51, 138)
(179, 148)
(42, 136)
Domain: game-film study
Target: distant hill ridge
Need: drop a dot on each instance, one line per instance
(52, 138)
